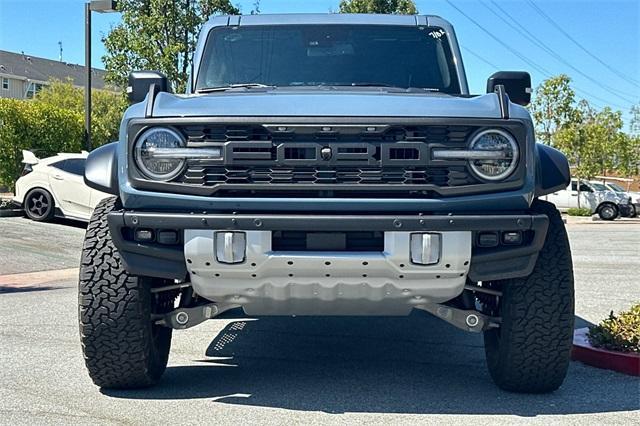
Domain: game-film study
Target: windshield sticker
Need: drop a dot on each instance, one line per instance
(437, 34)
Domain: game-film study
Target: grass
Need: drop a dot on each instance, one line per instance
(579, 212)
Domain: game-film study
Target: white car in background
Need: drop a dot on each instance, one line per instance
(55, 186)
(594, 196)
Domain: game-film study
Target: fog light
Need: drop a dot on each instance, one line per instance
(425, 248)
(143, 235)
(168, 237)
(230, 247)
(488, 239)
(512, 237)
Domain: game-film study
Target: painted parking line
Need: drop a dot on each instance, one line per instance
(36, 279)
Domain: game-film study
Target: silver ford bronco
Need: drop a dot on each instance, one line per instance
(327, 165)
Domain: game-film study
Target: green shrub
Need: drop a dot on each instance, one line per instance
(618, 333)
(582, 211)
(44, 129)
(106, 108)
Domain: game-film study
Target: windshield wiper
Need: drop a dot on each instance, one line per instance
(389, 86)
(233, 86)
(367, 84)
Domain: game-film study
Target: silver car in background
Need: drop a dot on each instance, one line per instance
(595, 196)
(633, 196)
(624, 200)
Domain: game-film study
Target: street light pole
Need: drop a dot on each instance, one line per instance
(101, 6)
(87, 68)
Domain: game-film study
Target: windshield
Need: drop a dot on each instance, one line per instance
(616, 187)
(599, 186)
(329, 55)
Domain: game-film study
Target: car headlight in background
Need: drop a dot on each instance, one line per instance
(149, 148)
(492, 154)
(498, 142)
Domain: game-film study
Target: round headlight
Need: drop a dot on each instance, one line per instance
(506, 158)
(154, 166)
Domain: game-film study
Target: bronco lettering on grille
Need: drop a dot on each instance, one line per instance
(311, 153)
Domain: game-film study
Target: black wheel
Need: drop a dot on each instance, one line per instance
(634, 211)
(122, 346)
(530, 351)
(39, 205)
(608, 211)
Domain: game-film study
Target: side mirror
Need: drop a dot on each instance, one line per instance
(517, 84)
(140, 81)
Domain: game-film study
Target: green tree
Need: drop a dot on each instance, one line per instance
(159, 35)
(256, 8)
(400, 7)
(634, 123)
(604, 132)
(106, 107)
(573, 141)
(627, 154)
(553, 107)
(595, 144)
(592, 140)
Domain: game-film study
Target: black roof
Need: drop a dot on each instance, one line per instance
(41, 69)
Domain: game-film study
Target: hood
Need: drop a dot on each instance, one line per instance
(614, 197)
(328, 104)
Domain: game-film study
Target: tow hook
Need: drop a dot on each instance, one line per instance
(468, 320)
(182, 318)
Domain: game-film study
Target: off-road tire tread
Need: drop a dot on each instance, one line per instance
(530, 352)
(114, 314)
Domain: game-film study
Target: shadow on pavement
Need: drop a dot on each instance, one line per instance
(414, 364)
(25, 289)
(70, 222)
(59, 221)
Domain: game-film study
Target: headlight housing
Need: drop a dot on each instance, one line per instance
(501, 142)
(161, 168)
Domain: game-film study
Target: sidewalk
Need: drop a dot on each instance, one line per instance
(595, 220)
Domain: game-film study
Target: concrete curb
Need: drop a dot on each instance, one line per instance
(11, 212)
(38, 278)
(627, 363)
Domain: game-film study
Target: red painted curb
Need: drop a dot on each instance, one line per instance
(627, 363)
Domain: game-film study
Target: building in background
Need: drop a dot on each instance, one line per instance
(22, 76)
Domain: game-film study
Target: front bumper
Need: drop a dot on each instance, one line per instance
(271, 282)
(626, 210)
(486, 263)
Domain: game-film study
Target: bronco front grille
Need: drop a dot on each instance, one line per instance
(331, 160)
(326, 155)
(209, 175)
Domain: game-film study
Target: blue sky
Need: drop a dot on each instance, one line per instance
(606, 29)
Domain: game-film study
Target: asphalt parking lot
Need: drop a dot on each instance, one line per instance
(295, 370)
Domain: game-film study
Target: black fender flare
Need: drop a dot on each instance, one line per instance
(552, 170)
(101, 169)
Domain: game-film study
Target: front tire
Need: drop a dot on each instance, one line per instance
(530, 352)
(122, 346)
(608, 211)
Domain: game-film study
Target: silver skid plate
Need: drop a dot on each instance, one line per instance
(327, 283)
